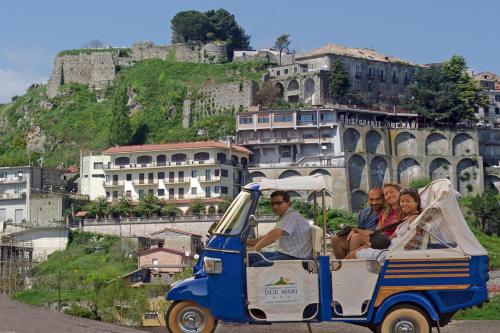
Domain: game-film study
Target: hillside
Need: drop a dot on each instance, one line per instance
(89, 259)
(34, 127)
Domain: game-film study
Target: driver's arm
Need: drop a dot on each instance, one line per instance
(267, 239)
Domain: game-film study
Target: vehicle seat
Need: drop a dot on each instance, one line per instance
(316, 240)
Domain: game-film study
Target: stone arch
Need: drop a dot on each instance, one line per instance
(221, 158)
(179, 157)
(309, 91)
(436, 144)
(161, 160)
(328, 197)
(467, 174)
(293, 85)
(440, 168)
(358, 200)
(280, 89)
(374, 143)
(144, 159)
(379, 172)
(257, 176)
(356, 171)
(122, 161)
(289, 173)
(320, 171)
(463, 144)
(351, 140)
(406, 144)
(212, 210)
(493, 182)
(408, 170)
(201, 156)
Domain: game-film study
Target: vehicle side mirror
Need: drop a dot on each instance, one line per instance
(252, 221)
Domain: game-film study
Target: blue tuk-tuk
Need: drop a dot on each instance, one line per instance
(413, 290)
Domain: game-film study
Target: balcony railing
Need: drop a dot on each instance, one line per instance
(209, 179)
(7, 196)
(114, 183)
(145, 181)
(160, 164)
(12, 180)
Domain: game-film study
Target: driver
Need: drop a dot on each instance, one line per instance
(292, 232)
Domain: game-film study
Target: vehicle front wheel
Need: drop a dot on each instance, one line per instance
(189, 317)
(405, 319)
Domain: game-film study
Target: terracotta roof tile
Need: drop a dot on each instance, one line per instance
(176, 231)
(368, 54)
(174, 146)
(161, 249)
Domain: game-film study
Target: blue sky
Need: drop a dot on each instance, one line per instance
(33, 31)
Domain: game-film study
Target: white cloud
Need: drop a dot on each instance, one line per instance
(15, 83)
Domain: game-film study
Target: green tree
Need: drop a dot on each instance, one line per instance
(196, 206)
(124, 206)
(420, 182)
(99, 208)
(223, 26)
(486, 209)
(120, 129)
(282, 43)
(267, 95)
(170, 211)
(194, 26)
(445, 93)
(149, 205)
(189, 25)
(339, 80)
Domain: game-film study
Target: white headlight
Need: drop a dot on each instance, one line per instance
(212, 265)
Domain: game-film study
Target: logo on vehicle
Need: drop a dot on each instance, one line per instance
(283, 290)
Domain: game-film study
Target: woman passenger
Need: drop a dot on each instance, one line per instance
(391, 213)
(409, 202)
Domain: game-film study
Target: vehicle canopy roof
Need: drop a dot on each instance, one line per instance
(445, 232)
(315, 183)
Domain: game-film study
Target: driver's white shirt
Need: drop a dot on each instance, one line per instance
(296, 240)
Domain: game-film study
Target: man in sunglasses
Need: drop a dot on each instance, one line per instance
(292, 232)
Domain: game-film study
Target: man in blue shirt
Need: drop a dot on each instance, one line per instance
(367, 220)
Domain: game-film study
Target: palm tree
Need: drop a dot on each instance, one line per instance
(149, 205)
(99, 207)
(124, 206)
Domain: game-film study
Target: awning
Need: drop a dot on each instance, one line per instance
(315, 183)
(81, 214)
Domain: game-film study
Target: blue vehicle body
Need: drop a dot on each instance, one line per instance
(439, 287)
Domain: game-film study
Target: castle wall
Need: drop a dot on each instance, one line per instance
(98, 69)
(219, 98)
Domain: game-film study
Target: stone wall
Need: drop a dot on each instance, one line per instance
(98, 69)
(219, 98)
(375, 156)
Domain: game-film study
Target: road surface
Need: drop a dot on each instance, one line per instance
(17, 317)
(485, 326)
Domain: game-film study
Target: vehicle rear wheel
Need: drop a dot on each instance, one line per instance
(189, 317)
(405, 319)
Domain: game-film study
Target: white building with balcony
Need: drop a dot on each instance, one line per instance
(30, 194)
(174, 172)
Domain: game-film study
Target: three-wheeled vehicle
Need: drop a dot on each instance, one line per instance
(414, 289)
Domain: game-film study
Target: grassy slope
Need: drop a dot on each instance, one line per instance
(79, 265)
(78, 121)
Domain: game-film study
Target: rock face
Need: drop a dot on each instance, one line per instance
(35, 139)
(98, 69)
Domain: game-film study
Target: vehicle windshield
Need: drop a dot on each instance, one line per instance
(234, 219)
